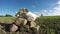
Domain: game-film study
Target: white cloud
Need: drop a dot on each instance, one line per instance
(57, 8)
(37, 13)
(52, 12)
(56, 12)
(44, 12)
(59, 2)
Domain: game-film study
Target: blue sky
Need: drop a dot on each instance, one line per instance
(45, 7)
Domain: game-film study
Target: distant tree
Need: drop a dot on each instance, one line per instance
(41, 14)
(8, 15)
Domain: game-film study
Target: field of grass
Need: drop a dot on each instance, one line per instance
(7, 19)
(48, 24)
(11, 19)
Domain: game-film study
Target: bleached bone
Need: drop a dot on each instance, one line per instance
(31, 16)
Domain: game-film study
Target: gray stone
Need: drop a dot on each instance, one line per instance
(20, 21)
(13, 28)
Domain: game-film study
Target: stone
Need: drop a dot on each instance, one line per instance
(37, 27)
(18, 14)
(33, 24)
(13, 28)
(20, 21)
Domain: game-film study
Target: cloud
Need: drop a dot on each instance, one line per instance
(54, 11)
(37, 13)
(59, 2)
(57, 8)
(44, 12)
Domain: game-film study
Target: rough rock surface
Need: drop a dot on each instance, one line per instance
(20, 21)
(33, 24)
(13, 28)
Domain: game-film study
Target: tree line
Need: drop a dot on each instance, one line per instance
(7, 15)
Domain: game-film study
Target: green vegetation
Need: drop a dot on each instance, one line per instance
(49, 24)
(8, 15)
(7, 19)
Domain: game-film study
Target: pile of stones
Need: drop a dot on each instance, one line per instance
(22, 20)
(21, 23)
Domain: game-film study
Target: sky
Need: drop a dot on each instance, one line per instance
(45, 7)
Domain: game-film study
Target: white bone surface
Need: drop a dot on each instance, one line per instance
(31, 16)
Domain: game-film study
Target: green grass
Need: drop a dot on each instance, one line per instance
(11, 19)
(7, 19)
(51, 17)
(46, 22)
(49, 22)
